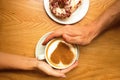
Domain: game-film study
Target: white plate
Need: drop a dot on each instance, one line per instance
(40, 49)
(75, 17)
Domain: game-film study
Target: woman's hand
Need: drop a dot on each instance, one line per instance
(26, 63)
(46, 68)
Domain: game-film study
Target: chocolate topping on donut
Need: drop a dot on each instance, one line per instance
(63, 8)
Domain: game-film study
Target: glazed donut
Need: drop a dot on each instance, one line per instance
(63, 8)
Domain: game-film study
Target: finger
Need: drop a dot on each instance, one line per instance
(70, 68)
(57, 73)
(72, 39)
(51, 36)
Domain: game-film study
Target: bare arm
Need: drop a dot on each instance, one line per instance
(10, 61)
(109, 17)
(83, 35)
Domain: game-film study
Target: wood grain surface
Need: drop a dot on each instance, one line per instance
(23, 22)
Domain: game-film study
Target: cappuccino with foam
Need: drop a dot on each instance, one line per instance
(60, 54)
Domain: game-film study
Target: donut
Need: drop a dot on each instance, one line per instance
(63, 8)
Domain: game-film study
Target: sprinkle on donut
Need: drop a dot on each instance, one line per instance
(63, 8)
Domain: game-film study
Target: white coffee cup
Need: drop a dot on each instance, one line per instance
(60, 54)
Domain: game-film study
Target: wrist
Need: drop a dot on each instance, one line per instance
(36, 64)
(31, 64)
(95, 28)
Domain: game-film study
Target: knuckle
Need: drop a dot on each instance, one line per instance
(49, 73)
(87, 42)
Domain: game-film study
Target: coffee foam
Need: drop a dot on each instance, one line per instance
(53, 45)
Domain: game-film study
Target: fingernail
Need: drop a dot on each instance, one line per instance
(43, 43)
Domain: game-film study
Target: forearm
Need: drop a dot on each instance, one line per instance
(109, 17)
(9, 61)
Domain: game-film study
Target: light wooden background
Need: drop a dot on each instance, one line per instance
(23, 22)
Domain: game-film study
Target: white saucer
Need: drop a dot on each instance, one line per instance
(75, 17)
(40, 49)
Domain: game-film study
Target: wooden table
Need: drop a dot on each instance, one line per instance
(23, 22)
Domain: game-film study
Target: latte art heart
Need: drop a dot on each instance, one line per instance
(62, 54)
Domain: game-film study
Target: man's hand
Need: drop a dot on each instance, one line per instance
(75, 35)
